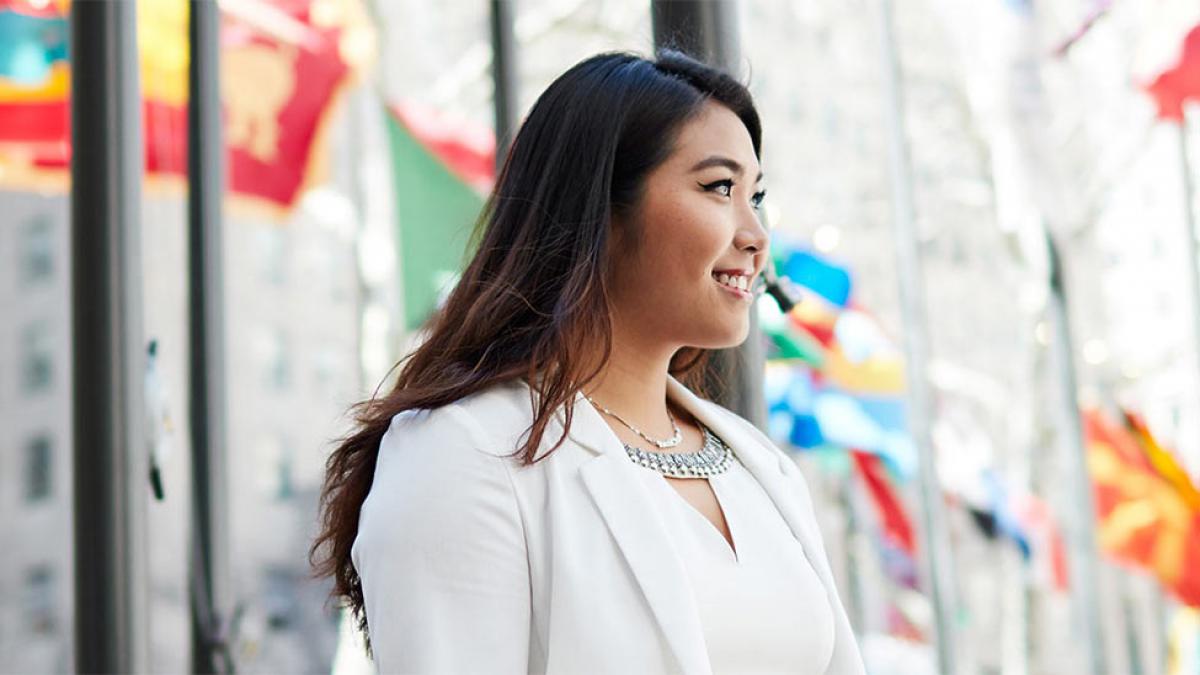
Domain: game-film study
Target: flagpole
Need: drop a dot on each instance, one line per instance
(707, 30)
(1193, 267)
(938, 566)
(1083, 560)
(208, 568)
(504, 77)
(111, 465)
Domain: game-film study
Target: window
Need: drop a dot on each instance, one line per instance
(37, 358)
(270, 249)
(275, 467)
(36, 250)
(326, 365)
(279, 598)
(279, 369)
(285, 488)
(274, 358)
(39, 600)
(38, 468)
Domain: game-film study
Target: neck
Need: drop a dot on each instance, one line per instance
(633, 383)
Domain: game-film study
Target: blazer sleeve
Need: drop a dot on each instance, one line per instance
(441, 552)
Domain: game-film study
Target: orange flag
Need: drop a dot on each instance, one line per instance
(1148, 516)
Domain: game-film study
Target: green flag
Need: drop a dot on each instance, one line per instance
(437, 203)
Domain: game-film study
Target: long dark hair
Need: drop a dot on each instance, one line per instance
(533, 301)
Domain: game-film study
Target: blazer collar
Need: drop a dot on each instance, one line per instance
(641, 534)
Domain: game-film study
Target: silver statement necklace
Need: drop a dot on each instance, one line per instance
(714, 458)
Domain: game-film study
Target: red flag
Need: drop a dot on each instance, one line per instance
(1179, 83)
(896, 524)
(283, 68)
(1144, 519)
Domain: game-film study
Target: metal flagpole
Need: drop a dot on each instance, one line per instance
(708, 30)
(1084, 563)
(504, 76)
(110, 462)
(209, 558)
(1193, 265)
(938, 566)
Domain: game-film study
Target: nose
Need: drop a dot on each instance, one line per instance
(751, 235)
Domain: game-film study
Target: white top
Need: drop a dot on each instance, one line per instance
(763, 610)
(472, 562)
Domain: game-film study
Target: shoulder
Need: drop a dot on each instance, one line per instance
(487, 422)
(439, 478)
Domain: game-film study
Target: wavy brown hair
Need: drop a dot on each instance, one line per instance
(532, 302)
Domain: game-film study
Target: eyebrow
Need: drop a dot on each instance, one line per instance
(718, 160)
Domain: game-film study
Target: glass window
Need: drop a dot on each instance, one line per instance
(36, 250)
(285, 471)
(37, 358)
(274, 358)
(279, 366)
(326, 364)
(38, 469)
(270, 244)
(39, 600)
(279, 598)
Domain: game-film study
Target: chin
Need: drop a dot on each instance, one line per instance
(731, 337)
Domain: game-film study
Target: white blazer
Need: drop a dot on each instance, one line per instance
(471, 563)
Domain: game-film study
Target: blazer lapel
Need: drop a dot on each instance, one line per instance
(642, 536)
(640, 532)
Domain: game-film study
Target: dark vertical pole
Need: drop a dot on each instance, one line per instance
(206, 332)
(504, 76)
(110, 465)
(708, 30)
(703, 29)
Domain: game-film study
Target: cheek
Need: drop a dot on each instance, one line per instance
(691, 243)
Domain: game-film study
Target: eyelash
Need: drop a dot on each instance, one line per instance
(756, 200)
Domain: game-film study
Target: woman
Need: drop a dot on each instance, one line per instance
(541, 492)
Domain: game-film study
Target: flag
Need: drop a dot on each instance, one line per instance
(815, 319)
(33, 79)
(897, 526)
(1161, 459)
(1179, 83)
(441, 171)
(883, 375)
(821, 276)
(283, 67)
(1144, 519)
(1048, 549)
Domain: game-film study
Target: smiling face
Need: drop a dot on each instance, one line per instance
(685, 258)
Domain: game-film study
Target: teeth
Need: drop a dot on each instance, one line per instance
(737, 281)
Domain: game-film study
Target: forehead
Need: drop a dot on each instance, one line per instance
(716, 130)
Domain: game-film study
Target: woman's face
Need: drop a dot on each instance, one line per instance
(685, 259)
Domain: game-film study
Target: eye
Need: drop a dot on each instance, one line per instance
(757, 199)
(716, 186)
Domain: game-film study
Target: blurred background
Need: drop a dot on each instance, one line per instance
(987, 367)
